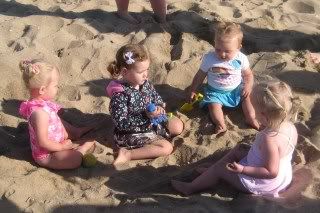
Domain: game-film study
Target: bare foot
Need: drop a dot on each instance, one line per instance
(254, 124)
(124, 156)
(87, 147)
(182, 187)
(127, 17)
(219, 129)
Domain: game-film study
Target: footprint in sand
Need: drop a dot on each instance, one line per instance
(237, 13)
(26, 40)
(80, 32)
(9, 192)
(302, 7)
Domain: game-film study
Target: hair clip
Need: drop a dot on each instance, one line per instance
(128, 57)
(26, 62)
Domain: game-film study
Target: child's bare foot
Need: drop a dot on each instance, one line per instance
(87, 147)
(219, 129)
(124, 156)
(254, 124)
(127, 17)
(182, 187)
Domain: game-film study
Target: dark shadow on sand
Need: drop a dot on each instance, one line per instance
(302, 81)
(179, 22)
(146, 188)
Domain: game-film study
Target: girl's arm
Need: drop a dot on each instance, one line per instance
(197, 80)
(270, 152)
(40, 120)
(248, 82)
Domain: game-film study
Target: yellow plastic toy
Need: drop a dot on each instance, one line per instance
(170, 114)
(187, 107)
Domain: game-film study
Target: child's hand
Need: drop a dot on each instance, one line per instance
(315, 58)
(159, 111)
(191, 96)
(67, 144)
(235, 167)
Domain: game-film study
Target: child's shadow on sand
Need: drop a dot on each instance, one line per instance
(147, 188)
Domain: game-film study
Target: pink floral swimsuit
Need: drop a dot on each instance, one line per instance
(55, 126)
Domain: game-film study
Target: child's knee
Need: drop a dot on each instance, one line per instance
(175, 126)
(167, 148)
(75, 161)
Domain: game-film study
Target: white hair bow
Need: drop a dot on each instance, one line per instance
(128, 57)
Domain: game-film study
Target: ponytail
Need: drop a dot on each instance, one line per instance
(113, 69)
(126, 57)
(36, 73)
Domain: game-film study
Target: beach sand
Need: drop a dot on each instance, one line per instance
(82, 36)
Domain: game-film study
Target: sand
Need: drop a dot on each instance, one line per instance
(82, 36)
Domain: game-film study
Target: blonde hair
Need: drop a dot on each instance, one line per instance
(228, 30)
(36, 73)
(275, 99)
(138, 53)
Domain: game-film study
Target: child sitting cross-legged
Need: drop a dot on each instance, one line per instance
(134, 133)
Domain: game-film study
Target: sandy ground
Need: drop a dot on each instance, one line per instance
(82, 36)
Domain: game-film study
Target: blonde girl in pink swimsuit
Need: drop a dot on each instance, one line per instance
(50, 142)
(266, 169)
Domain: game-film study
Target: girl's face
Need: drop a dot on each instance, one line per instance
(227, 49)
(137, 74)
(50, 91)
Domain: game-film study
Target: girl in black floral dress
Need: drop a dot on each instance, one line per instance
(133, 133)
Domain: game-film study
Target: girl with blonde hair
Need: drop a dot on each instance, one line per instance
(51, 144)
(266, 169)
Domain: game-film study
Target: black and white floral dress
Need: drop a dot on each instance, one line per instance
(133, 128)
